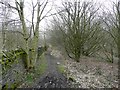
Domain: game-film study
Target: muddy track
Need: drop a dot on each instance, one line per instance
(52, 78)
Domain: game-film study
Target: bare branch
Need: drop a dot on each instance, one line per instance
(40, 14)
(8, 5)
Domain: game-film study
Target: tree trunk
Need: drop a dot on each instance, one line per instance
(20, 7)
(27, 55)
(34, 47)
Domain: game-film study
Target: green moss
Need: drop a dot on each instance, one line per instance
(8, 58)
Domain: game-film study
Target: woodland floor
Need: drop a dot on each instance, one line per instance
(88, 73)
(51, 77)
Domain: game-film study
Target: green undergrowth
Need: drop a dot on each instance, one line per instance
(40, 68)
(12, 87)
(27, 79)
(61, 69)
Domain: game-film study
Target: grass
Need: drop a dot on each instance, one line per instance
(61, 69)
(29, 78)
(39, 70)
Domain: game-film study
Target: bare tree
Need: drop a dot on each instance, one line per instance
(30, 35)
(117, 5)
(112, 22)
(34, 27)
(5, 15)
(79, 26)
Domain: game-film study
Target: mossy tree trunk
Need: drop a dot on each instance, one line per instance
(20, 7)
(34, 47)
(31, 50)
(35, 38)
(31, 42)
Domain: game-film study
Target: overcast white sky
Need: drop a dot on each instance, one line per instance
(27, 9)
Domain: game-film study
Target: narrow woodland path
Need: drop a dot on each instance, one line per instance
(52, 78)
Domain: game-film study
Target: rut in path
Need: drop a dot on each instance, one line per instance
(52, 77)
